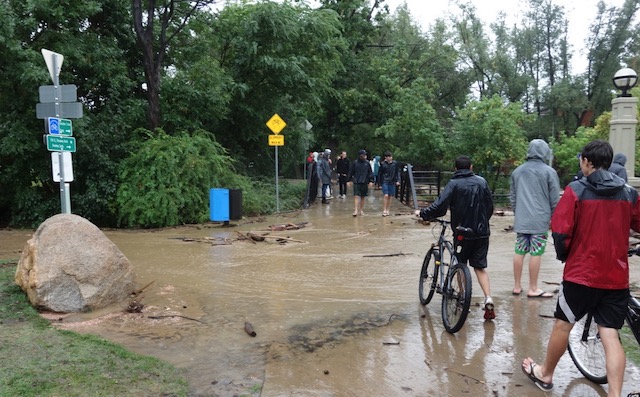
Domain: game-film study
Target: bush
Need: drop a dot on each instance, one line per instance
(165, 182)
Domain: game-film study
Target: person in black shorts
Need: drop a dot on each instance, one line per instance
(471, 203)
(590, 229)
(362, 176)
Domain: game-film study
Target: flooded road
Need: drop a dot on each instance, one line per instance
(335, 309)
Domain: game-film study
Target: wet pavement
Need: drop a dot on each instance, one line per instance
(335, 309)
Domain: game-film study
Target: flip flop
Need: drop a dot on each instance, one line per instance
(516, 293)
(531, 375)
(542, 294)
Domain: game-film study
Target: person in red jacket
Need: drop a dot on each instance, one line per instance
(590, 228)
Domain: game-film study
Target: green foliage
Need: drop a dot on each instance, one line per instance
(566, 149)
(166, 180)
(491, 133)
(414, 133)
(281, 58)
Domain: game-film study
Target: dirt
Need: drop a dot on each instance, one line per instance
(333, 305)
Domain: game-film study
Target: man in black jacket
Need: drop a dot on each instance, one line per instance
(362, 176)
(471, 203)
(342, 169)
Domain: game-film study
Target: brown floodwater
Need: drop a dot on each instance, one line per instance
(334, 307)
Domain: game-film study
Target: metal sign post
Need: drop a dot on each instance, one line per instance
(59, 101)
(276, 124)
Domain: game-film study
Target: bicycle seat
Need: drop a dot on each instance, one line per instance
(464, 231)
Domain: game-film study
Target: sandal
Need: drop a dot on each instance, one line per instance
(532, 376)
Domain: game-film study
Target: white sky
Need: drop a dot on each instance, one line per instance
(581, 14)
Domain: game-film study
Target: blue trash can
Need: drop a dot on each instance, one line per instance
(219, 205)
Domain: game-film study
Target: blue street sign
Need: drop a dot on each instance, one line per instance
(58, 126)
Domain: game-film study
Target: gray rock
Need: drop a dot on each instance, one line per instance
(69, 265)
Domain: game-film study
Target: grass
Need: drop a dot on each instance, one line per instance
(39, 360)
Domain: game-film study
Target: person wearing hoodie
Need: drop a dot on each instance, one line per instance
(324, 174)
(362, 176)
(534, 192)
(590, 229)
(617, 166)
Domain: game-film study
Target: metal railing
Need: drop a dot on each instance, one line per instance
(419, 188)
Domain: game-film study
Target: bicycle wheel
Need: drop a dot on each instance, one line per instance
(428, 280)
(456, 297)
(586, 350)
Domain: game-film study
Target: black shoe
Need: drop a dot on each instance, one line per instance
(325, 202)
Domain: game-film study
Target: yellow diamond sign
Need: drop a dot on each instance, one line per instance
(276, 124)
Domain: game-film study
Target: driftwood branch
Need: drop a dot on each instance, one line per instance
(383, 255)
(465, 375)
(262, 237)
(175, 315)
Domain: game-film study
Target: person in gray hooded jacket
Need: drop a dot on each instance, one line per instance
(534, 193)
(617, 166)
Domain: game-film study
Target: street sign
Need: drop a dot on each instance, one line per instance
(71, 110)
(63, 93)
(276, 140)
(57, 143)
(68, 166)
(54, 63)
(276, 124)
(58, 126)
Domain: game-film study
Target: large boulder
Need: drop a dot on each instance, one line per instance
(69, 265)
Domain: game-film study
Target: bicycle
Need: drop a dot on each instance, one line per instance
(585, 346)
(455, 287)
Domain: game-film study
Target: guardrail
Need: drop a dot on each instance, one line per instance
(419, 188)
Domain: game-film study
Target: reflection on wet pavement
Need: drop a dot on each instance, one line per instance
(336, 314)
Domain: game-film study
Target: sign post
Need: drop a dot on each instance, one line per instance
(276, 124)
(58, 101)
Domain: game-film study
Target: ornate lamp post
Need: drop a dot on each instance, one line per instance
(622, 130)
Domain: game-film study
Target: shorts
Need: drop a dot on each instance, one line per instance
(608, 306)
(533, 244)
(474, 252)
(360, 189)
(389, 188)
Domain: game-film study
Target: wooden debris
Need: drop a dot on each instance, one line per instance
(287, 226)
(383, 255)
(466, 376)
(244, 238)
(262, 237)
(210, 240)
(175, 315)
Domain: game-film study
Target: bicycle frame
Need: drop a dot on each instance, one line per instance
(453, 283)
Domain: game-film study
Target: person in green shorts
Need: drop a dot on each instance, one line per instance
(534, 193)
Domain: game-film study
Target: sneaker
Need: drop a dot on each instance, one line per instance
(489, 313)
(361, 213)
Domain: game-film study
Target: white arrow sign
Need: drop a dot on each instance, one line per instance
(54, 63)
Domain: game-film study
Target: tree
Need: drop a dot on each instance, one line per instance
(156, 26)
(99, 50)
(491, 133)
(612, 33)
(281, 58)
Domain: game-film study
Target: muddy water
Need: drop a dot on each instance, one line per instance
(331, 319)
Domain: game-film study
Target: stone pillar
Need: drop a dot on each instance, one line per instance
(622, 132)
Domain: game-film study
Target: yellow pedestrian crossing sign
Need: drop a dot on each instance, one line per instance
(276, 124)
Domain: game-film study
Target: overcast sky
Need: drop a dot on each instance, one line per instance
(581, 14)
